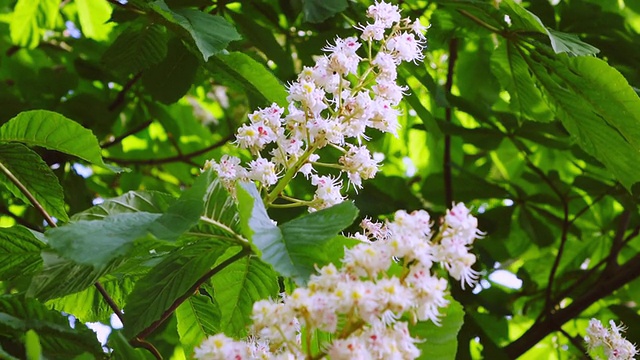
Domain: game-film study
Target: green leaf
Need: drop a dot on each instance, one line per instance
(211, 33)
(317, 11)
(137, 48)
(536, 228)
(96, 243)
(570, 44)
(170, 79)
(258, 82)
(237, 287)
(19, 252)
(168, 281)
(94, 17)
(198, 317)
(58, 340)
(296, 247)
(30, 18)
(512, 72)
(34, 174)
(52, 131)
(122, 349)
(441, 342)
(130, 202)
(32, 345)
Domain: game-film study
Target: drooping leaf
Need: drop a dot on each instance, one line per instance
(249, 75)
(57, 338)
(441, 342)
(316, 11)
(130, 202)
(512, 72)
(169, 280)
(19, 252)
(210, 33)
(33, 173)
(52, 131)
(198, 317)
(137, 48)
(94, 16)
(29, 20)
(237, 287)
(172, 77)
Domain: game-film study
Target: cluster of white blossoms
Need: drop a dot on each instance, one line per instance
(389, 275)
(331, 104)
(609, 341)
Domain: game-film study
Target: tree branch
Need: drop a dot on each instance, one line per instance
(448, 183)
(179, 157)
(118, 139)
(119, 100)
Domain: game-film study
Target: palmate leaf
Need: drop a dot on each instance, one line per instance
(210, 33)
(57, 338)
(169, 280)
(53, 131)
(241, 70)
(441, 342)
(19, 252)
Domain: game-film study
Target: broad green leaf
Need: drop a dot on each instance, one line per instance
(521, 18)
(29, 20)
(33, 173)
(96, 243)
(94, 18)
(198, 317)
(220, 216)
(441, 342)
(170, 280)
(295, 247)
(570, 44)
(210, 33)
(57, 338)
(597, 107)
(137, 48)
(237, 287)
(172, 77)
(316, 11)
(511, 70)
(52, 131)
(19, 252)
(251, 76)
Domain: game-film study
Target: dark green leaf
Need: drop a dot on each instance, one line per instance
(237, 287)
(19, 252)
(168, 281)
(211, 33)
(52, 131)
(536, 228)
(170, 79)
(137, 48)
(34, 174)
(317, 11)
(258, 82)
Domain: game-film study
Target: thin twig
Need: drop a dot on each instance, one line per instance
(448, 183)
(242, 253)
(121, 95)
(177, 158)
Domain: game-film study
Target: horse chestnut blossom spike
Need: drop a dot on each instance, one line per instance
(611, 341)
(350, 91)
(363, 301)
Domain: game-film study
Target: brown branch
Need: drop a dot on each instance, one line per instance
(118, 139)
(538, 331)
(448, 183)
(177, 158)
(119, 100)
(144, 333)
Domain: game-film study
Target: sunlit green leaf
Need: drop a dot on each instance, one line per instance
(198, 317)
(29, 20)
(93, 16)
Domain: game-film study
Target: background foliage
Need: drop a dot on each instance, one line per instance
(527, 111)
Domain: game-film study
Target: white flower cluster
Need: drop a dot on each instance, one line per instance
(611, 341)
(388, 275)
(331, 103)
